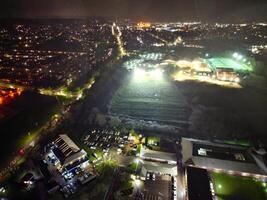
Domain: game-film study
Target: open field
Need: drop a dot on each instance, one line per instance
(229, 187)
(220, 62)
(226, 113)
(150, 98)
(148, 94)
(32, 111)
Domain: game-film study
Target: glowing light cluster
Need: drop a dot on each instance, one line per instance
(140, 74)
(6, 95)
(238, 56)
(143, 25)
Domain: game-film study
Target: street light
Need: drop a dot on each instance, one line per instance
(137, 183)
(235, 55)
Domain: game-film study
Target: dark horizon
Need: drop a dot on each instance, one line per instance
(147, 10)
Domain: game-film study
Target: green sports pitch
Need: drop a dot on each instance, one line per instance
(237, 187)
(228, 63)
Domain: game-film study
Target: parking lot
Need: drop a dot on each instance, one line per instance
(105, 139)
(157, 186)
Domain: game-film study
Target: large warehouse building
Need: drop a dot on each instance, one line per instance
(221, 157)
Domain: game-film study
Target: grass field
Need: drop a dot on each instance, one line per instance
(147, 94)
(229, 187)
(150, 98)
(220, 62)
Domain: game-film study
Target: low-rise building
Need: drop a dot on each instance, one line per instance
(159, 156)
(231, 159)
(66, 156)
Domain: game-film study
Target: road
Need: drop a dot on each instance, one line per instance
(48, 127)
(117, 33)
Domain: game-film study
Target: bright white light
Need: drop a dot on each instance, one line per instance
(235, 55)
(139, 73)
(137, 183)
(239, 57)
(245, 174)
(237, 80)
(79, 96)
(224, 78)
(157, 73)
(220, 186)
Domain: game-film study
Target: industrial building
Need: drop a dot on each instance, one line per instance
(65, 155)
(226, 158)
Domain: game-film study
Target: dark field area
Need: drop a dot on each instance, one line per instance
(61, 43)
(227, 113)
(198, 184)
(32, 112)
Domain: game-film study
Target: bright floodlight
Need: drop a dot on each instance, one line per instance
(235, 55)
(237, 80)
(220, 186)
(156, 73)
(139, 73)
(138, 183)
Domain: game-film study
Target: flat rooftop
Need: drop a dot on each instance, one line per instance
(163, 168)
(223, 153)
(166, 156)
(198, 184)
(215, 156)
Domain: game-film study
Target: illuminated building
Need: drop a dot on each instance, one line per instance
(7, 94)
(143, 25)
(65, 155)
(216, 157)
(225, 74)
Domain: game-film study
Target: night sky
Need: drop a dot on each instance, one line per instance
(154, 10)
